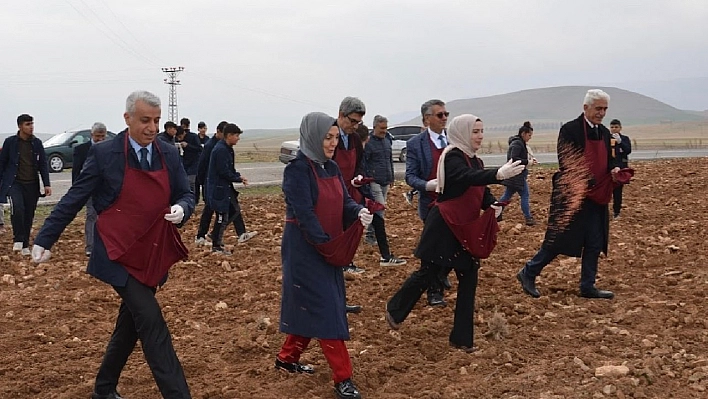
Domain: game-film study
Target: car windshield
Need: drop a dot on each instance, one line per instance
(58, 139)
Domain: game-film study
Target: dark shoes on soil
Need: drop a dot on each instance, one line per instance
(293, 367)
(436, 299)
(112, 395)
(528, 284)
(353, 309)
(594, 293)
(392, 323)
(466, 349)
(346, 390)
(530, 221)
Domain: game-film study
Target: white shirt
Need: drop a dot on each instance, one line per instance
(435, 138)
(137, 148)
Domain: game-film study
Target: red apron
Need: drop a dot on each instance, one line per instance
(340, 249)
(346, 160)
(134, 229)
(477, 234)
(596, 156)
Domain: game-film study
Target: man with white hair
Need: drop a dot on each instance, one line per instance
(578, 222)
(98, 134)
(141, 194)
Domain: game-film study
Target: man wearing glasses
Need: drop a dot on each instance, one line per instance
(349, 156)
(424, 151)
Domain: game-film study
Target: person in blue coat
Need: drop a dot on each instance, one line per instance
(140, 191)
(313, 295)
(22, 162)
(220, 193)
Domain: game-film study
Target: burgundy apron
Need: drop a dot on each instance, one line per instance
(134, 229)
(477, 234)
(346, 160)
(596, 155)
(340, 249)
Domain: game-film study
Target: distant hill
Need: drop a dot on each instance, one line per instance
(551, 106)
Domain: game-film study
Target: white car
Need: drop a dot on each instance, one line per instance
(288, 150)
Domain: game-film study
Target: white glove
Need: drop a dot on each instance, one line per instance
(510, 169)
(40, 255)
(176, 214)
(365, 217)
(355, 179)
(497, 210)
(430, 185)
(617, 137)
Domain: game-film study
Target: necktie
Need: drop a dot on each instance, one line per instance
(443, 142)
(596, 133)
(144, 164)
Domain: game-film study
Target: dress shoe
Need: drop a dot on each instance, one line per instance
(466, 349)
(436, 299)
(392, 323)
(595, 293)
(353, 309)
(112, 395)
(294, 367)
(528, 284)
(346, 390)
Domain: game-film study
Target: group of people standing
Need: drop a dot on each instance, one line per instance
(334, 190)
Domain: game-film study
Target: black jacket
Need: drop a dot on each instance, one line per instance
(192, 151)
(10, 159)
(378, 159)
(80, 154)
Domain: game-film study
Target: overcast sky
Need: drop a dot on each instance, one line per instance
(266, 63)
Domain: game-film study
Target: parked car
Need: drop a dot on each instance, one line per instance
(288, 150)
(400, 135)
(60, 148)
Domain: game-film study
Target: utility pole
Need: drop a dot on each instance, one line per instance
(171, 80)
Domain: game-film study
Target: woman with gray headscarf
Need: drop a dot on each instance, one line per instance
(313, 294)
(455, 236)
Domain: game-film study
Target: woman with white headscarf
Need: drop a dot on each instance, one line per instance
(455, 235)
(314, 250)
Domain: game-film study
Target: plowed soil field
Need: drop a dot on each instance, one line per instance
(55, 320)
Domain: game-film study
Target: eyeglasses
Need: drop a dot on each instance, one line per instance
(354, 121)
(441, 114)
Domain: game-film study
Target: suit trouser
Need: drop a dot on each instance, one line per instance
(24, 197)
(91, 217)
(140, 317)
(617, 200)
(334, 350)
(380, 233)
(403, 301)
(192, 179)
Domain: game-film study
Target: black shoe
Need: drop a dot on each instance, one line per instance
(445, 282)
(528, 284)
(595, 293)
(391, 323)
(353, 309)
(346, 390)
(112, 395)
(293, 367)
(436, 299)
(466, 349)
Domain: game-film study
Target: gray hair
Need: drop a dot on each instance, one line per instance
(427, 107)
(98, 127)
(141, 95)
(595, 94)
(352, 105)
(379, 119)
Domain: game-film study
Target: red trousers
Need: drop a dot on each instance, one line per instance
(334, 350)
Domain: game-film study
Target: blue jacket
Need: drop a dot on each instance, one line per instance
(220, 176)
(192, 151)
(378, 159)
(80, 154)
(10, 159)
(102, 180)
(313, 295)
(203, 164)
(419, 164)
(623, 149)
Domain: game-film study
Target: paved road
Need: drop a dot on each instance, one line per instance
(271, 173)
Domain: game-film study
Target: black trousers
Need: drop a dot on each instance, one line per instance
(617, 200)
(205, 220)
(140, 317)
(23, 197)
(381, 238)
(403, 301)
(224, 219)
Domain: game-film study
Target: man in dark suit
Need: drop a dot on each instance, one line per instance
(423, 152)
(140, 192)
(98, 134)
(622, 147)
(578, 221)
(22, 162)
